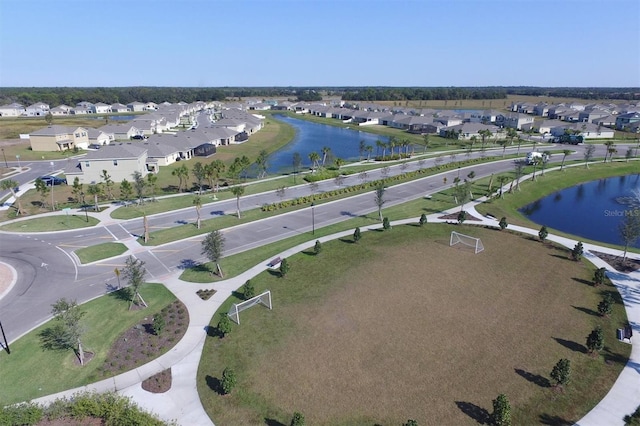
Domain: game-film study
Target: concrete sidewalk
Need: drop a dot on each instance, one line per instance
(182, 402)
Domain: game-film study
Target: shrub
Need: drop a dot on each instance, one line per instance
(501, 415)
(317, 248)
(561, 372)
(224, 325)
(605, 307)
(577, 251)
(357, 235)
(423, 219)
(503, 223)
(158, 324)
(386, 225)
(297, 419)
(543, 233)
(599, 276)
(228, 381)
(595, 340)
(248, 290)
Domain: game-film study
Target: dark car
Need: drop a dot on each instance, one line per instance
(138, 137)
(53, 180)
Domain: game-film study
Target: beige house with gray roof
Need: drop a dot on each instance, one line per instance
(120, 160)
(59, 138)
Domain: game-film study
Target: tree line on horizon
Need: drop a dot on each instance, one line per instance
(72, 95)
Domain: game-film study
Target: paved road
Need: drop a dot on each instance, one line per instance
(47, 270)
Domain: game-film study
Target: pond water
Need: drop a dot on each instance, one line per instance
(591, 210)
(312, 137)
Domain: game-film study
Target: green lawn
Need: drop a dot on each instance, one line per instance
(34, 372)
(100, 251)
(51, 223)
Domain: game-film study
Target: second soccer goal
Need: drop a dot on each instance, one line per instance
(466, 240)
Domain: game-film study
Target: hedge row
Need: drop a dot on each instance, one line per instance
(367, 185)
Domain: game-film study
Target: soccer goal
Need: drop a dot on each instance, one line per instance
(466, 240)
(236, 308)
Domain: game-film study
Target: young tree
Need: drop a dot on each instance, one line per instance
(317, 248)
(588, 154)
(561, 372)
(379, 198)
(238, 191)
(108, 183)
(599, 276)
(519, 170)
(248, 290)
(423, 219)
(361, 149)
(503, 223)
(325, 152)
(297, 419)
(199, 175)
(545, 159)
(543, 233)
(43, 190)
(261, 163)
(158, 324)
(605, 307)
(462, 216)
(139, 184)
(126, 190)
(11, 185)
(77, 189)
(628, 155)
(595, 340)
(224, 325)
(565, 152)
(182, 173)
(48, 118)
(213, 172)
(213, 248)
(386, 225)
(152, 184)
(501, 415)
(284, 267)
(577, 251)
(629, 229)
(134, 273)
(357, 235)
(369, 150)
(228, 381)
(339, 162)
(67, 331)
(410, 422)
(197, 203)
(610, 150)
(314, 157)
(96, 191)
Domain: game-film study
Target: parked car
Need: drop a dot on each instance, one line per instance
(53, 180)
(138, 137)
(95, 146)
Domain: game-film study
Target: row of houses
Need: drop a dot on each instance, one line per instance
(121, 159)
(616, 116)
(40, 109)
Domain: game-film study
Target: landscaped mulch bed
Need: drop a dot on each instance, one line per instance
(205, 294)
(454, 216)
(630, 265)
(139, 344)
(158, 383)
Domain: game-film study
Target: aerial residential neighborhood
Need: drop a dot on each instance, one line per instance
(297, 213)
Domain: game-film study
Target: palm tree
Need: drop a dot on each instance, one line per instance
(238, 191)
(197, 202)
(315, 158)
(339, 162)
(11, 185)
(384, 149)
(182, 173)
(325, 151)
(503, 143)
(535, 163)
(610, 150)
(152, 180)
(379, 144)
(213, 171)
(502, 179)
(392, 144)
(519, 139)
(546, 155)
(511, 135)
(565, 152)
(425, 141)
(484, 134)
(473, 139)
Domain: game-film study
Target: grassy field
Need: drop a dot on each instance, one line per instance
(51, 223)
(34, 372)
(344, 345)
(100, 251)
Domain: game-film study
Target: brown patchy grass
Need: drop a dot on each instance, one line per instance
(402, 326)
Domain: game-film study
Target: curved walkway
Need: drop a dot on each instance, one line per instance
(182, 402)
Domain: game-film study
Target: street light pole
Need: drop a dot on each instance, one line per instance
(86, 215)
(313, 219)
(5, 159)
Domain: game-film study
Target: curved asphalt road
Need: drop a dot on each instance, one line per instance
(47, 270)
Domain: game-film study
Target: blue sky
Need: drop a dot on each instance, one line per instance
(215, 43)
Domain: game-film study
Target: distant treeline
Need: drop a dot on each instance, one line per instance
(72, 95)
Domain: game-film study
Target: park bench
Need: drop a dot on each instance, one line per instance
(275, 262)
(625, 334)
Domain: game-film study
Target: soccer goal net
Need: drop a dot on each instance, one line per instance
(466, 240)
(261, 299)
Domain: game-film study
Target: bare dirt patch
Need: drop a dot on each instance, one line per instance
(158, 383)
(140, 344)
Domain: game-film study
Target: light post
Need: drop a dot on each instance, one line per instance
(5, 159)
(19, 165)
(313, 219)
(458, 172)
(86, 215)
